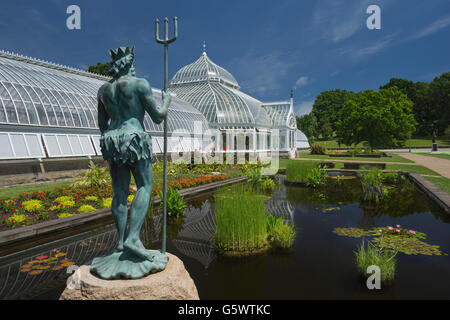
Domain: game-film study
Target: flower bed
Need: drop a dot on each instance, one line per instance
(61, 202)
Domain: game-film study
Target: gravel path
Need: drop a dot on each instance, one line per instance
(441, 166)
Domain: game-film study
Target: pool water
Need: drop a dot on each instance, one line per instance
(320, 264)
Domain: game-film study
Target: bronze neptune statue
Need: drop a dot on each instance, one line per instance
(122, 103)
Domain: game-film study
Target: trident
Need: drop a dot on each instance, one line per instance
(165, 42)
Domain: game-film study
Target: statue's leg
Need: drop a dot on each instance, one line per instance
(120, 175)
(143, 176)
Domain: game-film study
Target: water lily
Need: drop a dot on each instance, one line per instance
(398, 226)
(390, 228)
(412, 232)
(397, 230)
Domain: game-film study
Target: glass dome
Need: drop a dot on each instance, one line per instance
(215, 93)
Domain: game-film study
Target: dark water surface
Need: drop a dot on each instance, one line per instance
(319, 266)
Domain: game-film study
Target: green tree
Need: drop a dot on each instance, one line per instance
(326, 109)
(100, 68)
(308, 125)
(381, 118)
(440, 103)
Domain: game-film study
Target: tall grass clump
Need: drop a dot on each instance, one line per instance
(298, 170)
(280, 233)
(371, 255)
(372, 184)
(240, 220)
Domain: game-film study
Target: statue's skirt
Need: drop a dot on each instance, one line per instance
(120, 147)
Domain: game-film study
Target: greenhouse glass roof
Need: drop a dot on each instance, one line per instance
(216, 95)
(37, 93)
(204, 70)
(281, 114)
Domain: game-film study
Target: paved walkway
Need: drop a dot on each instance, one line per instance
(356, 161)
(441, 166)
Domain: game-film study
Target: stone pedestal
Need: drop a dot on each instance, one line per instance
(173, 283)
(434, 147)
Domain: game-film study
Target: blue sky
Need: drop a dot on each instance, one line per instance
(269, 46)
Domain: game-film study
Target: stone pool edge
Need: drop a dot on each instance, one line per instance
(439, 196)
(38, 229)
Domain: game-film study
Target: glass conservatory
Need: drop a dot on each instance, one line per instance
(246, 124)
(50, 111)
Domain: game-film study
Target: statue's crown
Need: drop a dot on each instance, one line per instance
(121, 52)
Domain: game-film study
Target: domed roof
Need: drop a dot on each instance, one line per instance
(204, 70)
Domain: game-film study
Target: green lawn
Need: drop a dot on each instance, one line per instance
(11, 193)
(412, 168)
(441, 182)
(394, 158)
(445, 155)
(416, 142)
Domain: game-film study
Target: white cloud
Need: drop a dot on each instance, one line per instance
(262, 74)
(339, 20)
(303, 107)
(371, 48)
(302, 81)
(434, 27)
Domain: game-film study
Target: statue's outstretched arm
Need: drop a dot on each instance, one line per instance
(103, 116)
(157, 113)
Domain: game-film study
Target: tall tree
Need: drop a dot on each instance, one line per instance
(308, 125)
(381, 118)
(326, 109)
(440, 102)
(100, 68)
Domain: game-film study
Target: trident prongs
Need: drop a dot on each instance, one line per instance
(166, 31)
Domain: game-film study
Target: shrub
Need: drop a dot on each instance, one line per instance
(16, 219)
(267, 185)
(316, 177)
(130, 198)
(91, 198)
(106, 203)
(318, 149)
(389, 178)
(372, 185)
(283, 235)
(371, 255)
(7, 205)
(42, 215)
(32, 206)
(65, 201)
(95, 177)
(64, 215)
(240, 220)
(175, 202)
(86, 208)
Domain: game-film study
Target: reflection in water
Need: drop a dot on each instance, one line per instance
(304, 272)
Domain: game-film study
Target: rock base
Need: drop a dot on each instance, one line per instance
(173, 283)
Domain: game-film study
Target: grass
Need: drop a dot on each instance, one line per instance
(297, 171)
(445, 156)
(416, 142)
(441, 182)
(412, 168)
(240, 220)
(370, 255)
(394, 158)
(11, 193)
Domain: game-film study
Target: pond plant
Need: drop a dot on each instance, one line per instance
(371, 255)
(240, 220)
(280, 233)
(302, 172)
(175, 203)
(316, 177)
(395, 238)
(372, 185)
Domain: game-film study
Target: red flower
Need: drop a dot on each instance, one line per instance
(13, 210)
